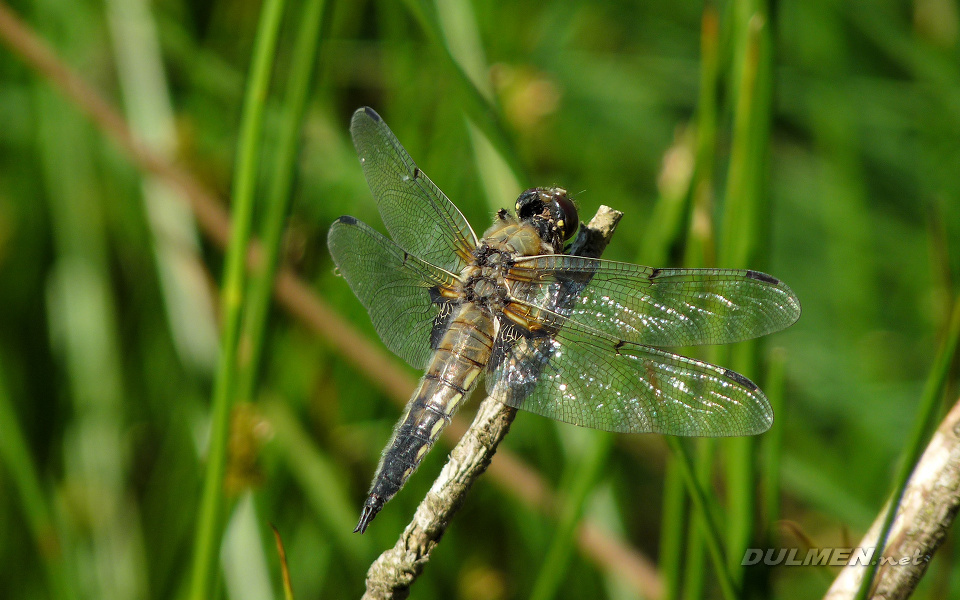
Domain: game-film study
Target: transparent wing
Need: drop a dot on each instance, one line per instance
(417, 214)
(400, 291)
(577, 375)
(656, 307)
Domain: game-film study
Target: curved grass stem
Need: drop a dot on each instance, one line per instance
(210, 520)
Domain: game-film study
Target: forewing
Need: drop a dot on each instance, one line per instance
(403, 294)
(573, 374)
(656, 307)
(417, 214)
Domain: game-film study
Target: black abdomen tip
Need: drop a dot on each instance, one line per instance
(370, 509)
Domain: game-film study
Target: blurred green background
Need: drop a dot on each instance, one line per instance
(816, 140)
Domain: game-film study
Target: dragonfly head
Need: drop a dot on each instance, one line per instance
(550, 211)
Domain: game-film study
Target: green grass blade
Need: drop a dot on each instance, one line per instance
(22, 472)
(695, 578)
(926, 415)
(700, 249)
(321, 483)
(210, 521)
(667, 220)
(740, 239)
(739, 226)
(699, 499)
(82, 312)
(246, 573)
(672, 528)
(482, 112)
(584, 478)
(279, 195)
(698, 252)
(772, 443)
(149, 111)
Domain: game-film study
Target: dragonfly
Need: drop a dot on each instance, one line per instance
(580, 340)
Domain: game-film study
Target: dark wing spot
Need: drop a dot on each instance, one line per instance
(372, 113)
(347, 220)
(619, 345)
(654, 274)
(416, 172)
(740, 379)
(763, 277)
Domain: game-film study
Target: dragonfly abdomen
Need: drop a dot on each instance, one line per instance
(453, 372)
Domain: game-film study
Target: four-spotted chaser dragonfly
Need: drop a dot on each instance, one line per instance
(571, 338)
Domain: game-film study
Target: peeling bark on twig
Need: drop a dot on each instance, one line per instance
(923, 519)
(391, 575)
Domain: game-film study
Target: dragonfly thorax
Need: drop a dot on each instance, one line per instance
(483, 281)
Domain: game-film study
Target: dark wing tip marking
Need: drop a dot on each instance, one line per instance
(763, 277)
(371, 113)
(740, 379)
(654, 274)
(347, 220)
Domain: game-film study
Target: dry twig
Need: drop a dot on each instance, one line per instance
(923, 520)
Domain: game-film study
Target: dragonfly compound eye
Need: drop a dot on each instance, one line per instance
(568, 219)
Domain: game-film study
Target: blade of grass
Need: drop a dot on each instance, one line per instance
(176, 245)
(499, 183)
(672, 529)
(702, 505)
(210, 520)
(245, 572)
(739, 222)
(22, 472)
(739, 240)
(458, 25)
(695, 579)
(700, 251)
(279, 195)
(773, 441)
(323, 485)
(483, 113)
(584, 477)
(926, 415)
(284, 567)
(82, 312)
(667, 220)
